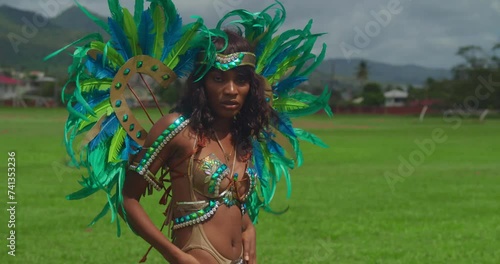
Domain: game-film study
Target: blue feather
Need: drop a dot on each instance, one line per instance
(146, 33)
(108, 129)
(275, 148)
(260, 48)
(171, 36)
(131, 148)
(284, 125)
(288, 84)
(258, 158)
(272, 67)
(119, 40)
(93, 99)
(186, 63)
(95, 67)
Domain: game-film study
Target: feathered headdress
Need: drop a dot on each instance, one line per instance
(152, 42)
(155, 42)
(285, 60)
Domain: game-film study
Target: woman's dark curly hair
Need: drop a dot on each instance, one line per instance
(255, 113)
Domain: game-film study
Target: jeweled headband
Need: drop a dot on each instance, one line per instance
(231, 61)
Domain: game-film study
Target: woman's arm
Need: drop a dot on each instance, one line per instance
(249, 240)
(135, 186)
(141, 223)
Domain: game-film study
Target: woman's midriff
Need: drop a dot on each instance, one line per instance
(223, 231)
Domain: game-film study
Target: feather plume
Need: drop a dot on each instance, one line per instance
(146, 33)
(285, 86)
(130, 29)
(309, 137)
(189, 32)
(96, 69)
(96, 20)
(159, 27)
(119, 39)
(116, 11)
(117, 143)
(138, 11)
(108, 128)
(186, 63)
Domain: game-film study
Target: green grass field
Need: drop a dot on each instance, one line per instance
(349, 203)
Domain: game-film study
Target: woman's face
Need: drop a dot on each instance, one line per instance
(226, 92)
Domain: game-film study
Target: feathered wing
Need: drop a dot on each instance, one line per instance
(285, 60)
(96, 136)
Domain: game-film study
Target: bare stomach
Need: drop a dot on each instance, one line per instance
(223, 231)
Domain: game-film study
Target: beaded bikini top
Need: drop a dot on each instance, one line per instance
(212, 179)
(209, 177)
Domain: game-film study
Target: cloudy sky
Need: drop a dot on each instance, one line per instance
(421, 32)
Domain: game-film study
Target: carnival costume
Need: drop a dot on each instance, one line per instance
(154, 42)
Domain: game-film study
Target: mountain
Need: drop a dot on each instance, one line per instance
(74, 19)
(383, 72)
(25, 42)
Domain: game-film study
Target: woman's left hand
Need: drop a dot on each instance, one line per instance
(249, 249)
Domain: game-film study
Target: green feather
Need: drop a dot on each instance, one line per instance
(320, 103)
(138, 9)
(263, 59)
(117, 145)
(116, 11)
(287, 104)
(93, 84)
(96, 20)
(131, 32)
(110, 53)
(99, 111)
(316, 63)
(90, 36)
(169, 11)
(309, 137)
(159, 28)
(189, 32)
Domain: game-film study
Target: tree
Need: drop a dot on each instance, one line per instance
(361, 75)
(171, 94)
(362, 72)
(373, 95)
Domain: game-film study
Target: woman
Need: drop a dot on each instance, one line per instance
(237, 112)
(209, 163)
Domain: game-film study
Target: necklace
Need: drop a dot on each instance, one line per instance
(226, 155)
(230, 194)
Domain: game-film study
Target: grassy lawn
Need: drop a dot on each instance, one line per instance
(387, 190)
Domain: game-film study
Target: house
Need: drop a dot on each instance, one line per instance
(8, 87)
(395, 98)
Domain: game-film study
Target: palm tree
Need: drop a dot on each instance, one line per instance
(361, 75)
